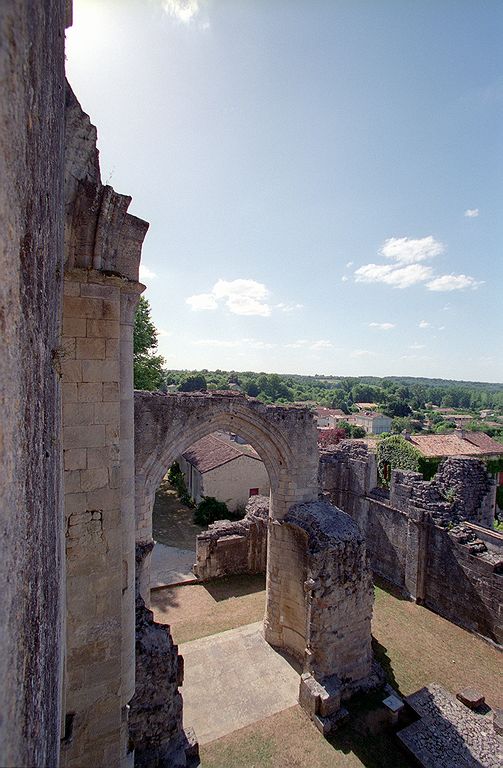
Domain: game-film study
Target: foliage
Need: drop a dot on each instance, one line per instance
(193, 384)
(396, 453)
(209, 510)
(177, 480)
(147, 367)
(332, 436)
(398, 396)
(499, 498)
(351, 430)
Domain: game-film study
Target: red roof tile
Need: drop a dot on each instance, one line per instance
(211, 451)
(471, 444)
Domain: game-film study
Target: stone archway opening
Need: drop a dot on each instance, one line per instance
(220, 477)
(318, 584)
(284, 437)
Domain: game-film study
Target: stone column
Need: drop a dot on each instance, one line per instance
(130, 294)
(416, 553)
(98, 516)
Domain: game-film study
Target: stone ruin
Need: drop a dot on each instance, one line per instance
(432, 539)
(83, 456)
(230, 547)
(318, 584)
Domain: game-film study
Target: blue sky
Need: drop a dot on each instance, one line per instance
(323, 178)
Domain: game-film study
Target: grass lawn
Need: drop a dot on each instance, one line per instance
(414, 645)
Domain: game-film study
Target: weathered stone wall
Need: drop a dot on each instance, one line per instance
(102, 250)
(230, 547)
(31, 260)
(465, 579)
(408, 537)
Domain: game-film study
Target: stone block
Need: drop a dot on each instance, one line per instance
(107, 413)
(111, 310)
(74, 326)
(76, 306)
(68, 347)
(90, 348)
(107, 329)
(90, 392)
(111, 391)
(69, 393)
(84, 437)
(471, 698)
(75, 458)
(72, 481)
(92, 479)
(71, 288)
(71, 371)
(75, 414)
(100, 370)
(112, 348)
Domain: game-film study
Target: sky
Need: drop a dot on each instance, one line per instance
(323, 178)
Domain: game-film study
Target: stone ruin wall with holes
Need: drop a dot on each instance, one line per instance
(426, 536)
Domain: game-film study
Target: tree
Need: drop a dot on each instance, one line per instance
(147, 367)
(193, 384)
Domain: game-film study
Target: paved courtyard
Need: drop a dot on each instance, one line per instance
(248, 681)
(171, 566)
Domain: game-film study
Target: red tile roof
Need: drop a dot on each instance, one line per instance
(321, 411)
(211, 451)
(470, 444)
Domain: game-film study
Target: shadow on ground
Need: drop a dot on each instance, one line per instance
(234, 586)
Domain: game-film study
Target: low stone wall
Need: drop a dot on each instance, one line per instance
(231, 547)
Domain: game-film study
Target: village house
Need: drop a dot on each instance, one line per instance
(373, 423)
(459, 443)
(219, 465)
(328, 418)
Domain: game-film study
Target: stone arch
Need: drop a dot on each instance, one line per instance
(166, 425)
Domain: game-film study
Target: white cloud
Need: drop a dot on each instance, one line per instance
(306, 344)
(406, 253)
(241, 297)
(234, 343)
(349, 264)
(289, 307)
(424, 324)
(321, 344)
(362, 353)
(471, 213)
(202, 301)
(182, 10)
(417, 346)
(146, 273)
(405, 250)
(453, 283)
(398, 277)
(161, 333)
(382, 326)
(344, 279)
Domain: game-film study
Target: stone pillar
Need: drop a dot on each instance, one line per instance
(416, 553)
(97, 442)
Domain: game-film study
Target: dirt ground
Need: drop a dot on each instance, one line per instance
(172, 522)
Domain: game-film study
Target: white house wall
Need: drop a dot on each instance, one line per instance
(231, 482)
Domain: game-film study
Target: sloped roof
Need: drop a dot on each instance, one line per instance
(470, 444)
(212, 451)
(321, 411)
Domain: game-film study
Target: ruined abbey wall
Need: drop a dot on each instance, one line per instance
(31, 265)
(413, 538)
(101, 290)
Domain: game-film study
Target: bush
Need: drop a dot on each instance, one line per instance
(177, 480)
(209, 510)
(396, 453)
